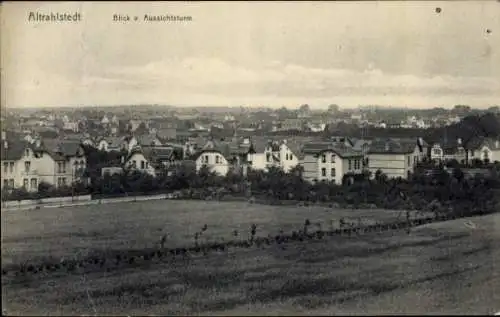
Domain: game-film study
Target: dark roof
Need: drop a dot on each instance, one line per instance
(114, 140)
(166, 134)
(157, 155)
(14, 150)
(60, 149)
(146, 139)
(392, 146)
(340, 149)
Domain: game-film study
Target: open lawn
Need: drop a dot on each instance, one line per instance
(78, 231)
(446, 267)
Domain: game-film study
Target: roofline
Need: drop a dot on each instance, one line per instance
(332, 150)
(197, 155)
(390, 152)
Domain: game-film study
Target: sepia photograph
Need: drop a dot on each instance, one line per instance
(250, 158)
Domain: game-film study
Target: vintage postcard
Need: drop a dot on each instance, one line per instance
(237, 158)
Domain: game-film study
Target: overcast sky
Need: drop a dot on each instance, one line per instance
(254, 54)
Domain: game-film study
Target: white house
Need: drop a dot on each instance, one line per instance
(27, 165)
(395, 157)
(112, 144)
(282, 154)
(448, 150)
(487, 149)
(328, 161)
(213, 156)
(136, 161)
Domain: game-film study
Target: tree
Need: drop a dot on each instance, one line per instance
(332, 109)
(304, 109)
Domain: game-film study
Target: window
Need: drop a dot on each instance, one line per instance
(61, 167)
(134, 163)
(34, 183)
(206, 159)
(323, 158)
(485, 155)
(366, 162)
(11, 167)
(25, 183)
(268, 157)
(11, 183)
(291, 156)
(27, 166)
(332, 173)
(287, 156)
(409, 160)
(217, 159)
(147, 165)
(142, 165)
(5, 183)
(333, 158)
(5, 167)
(323, 171)
(27, 152)
(350, 165)
(61, 181)
(436, 152)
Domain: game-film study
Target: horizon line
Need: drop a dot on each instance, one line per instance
(312, 108)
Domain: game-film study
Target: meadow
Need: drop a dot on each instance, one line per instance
(78, 231)
(447, 267)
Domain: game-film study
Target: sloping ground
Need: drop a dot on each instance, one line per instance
(77, 231)
(449, 267)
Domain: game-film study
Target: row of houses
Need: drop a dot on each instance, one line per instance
(61, 162)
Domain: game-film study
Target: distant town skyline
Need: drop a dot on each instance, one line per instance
(254, 54)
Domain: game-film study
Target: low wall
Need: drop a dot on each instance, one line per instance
(53, 200)
(131, 198)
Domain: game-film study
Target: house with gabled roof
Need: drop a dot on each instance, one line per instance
(137, 160)
(56, 162)
(111, 144)
(264, 154)
(395, 157)
(69, 162)
(18, 166)
(446, 150)
(213, 156)
(484, 149)
(330, 161)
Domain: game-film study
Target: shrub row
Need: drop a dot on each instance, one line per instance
(118, 259)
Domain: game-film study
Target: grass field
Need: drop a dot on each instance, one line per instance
(77, 231)
(439, 268)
